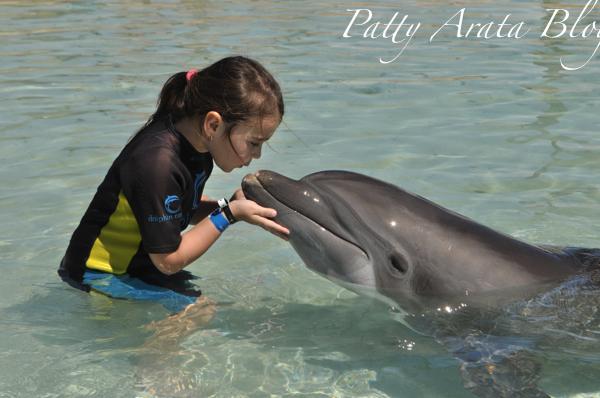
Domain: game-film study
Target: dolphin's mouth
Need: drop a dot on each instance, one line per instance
(292, 201)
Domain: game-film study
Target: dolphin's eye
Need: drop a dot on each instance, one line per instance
(399, 262)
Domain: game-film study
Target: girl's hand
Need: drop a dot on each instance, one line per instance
(253, 213)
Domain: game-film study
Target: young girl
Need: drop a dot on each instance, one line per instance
(129, 242)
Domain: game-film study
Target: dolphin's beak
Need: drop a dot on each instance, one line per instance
(250, 179)
(257, 184)
(255, 188)
(252, 186)
(290, 197)
(264, 178)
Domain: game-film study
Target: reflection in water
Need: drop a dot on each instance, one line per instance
(163, 347)
(552, 74)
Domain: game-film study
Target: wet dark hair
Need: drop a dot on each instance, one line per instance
(238, 88)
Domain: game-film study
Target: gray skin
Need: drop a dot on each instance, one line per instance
(371, 236)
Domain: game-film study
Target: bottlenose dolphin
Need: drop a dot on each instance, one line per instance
(365, 233)
(376, 238)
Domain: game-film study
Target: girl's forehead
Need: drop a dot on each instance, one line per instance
(261, 128)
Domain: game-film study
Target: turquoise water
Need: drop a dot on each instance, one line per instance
(494, 129)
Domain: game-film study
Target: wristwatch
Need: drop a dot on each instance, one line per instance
(224, 207)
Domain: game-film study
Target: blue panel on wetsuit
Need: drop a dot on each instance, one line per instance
(127, 287)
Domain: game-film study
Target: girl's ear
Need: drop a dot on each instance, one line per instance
(212, 121)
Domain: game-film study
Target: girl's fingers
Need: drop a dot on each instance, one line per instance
(271, 226)
(253, 213)
(264, 212)
(282, 236)
(246, 209)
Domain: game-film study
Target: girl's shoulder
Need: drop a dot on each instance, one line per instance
(159, 149)
(156, 139)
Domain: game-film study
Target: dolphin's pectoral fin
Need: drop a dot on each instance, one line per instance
(498, 367)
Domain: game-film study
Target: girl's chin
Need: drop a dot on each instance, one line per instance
(226, 169)
(229, 168)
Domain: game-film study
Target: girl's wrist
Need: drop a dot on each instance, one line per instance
(226, 210)
(233, 207)
(219, 220)
(222, 217)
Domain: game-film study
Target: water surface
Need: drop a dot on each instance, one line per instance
(496, 130)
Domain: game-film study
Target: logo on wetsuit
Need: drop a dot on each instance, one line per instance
(172, 208)
(173, 204)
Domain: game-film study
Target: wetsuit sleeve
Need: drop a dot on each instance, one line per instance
(153, 186)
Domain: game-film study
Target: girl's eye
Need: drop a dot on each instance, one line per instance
(254, 144)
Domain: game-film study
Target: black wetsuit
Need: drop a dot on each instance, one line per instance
(148, 196)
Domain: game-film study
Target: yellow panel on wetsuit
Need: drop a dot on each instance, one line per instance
(118, 241)
(158, 178)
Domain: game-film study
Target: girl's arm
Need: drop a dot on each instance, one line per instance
(195, 242)
(207, 206)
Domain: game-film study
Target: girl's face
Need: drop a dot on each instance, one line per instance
(237, 148)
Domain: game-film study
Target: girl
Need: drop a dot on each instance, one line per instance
(129, 242)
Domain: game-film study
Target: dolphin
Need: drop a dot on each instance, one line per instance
(377, 239)
(373, 237)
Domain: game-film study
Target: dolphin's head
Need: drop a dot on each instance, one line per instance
(340, 226)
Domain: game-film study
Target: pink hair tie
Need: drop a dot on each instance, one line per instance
(190, 74)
